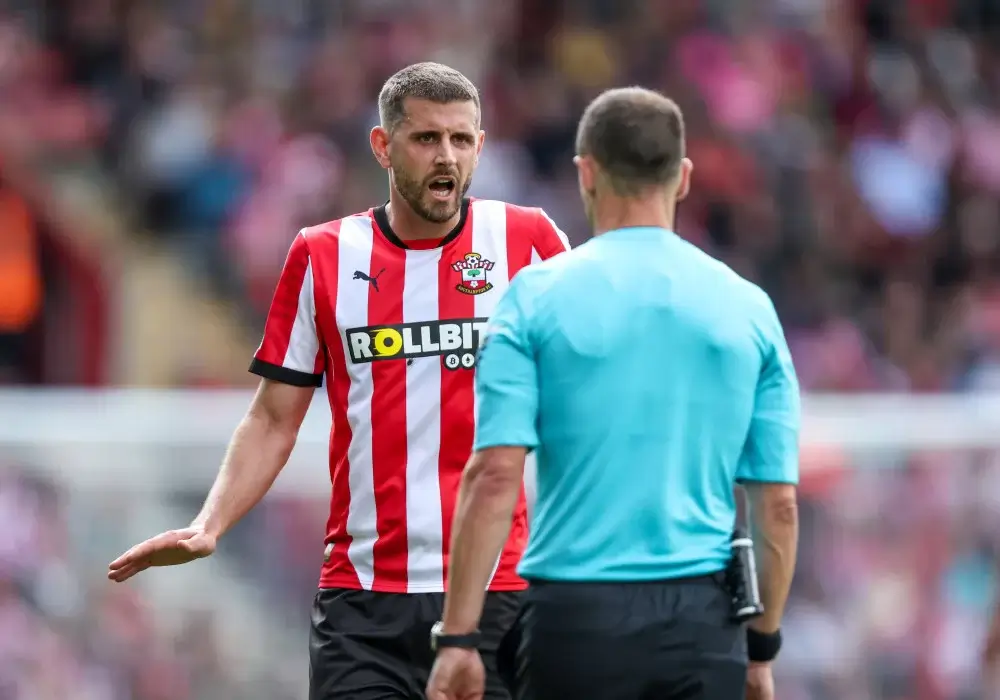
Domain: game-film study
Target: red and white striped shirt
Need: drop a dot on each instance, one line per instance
(394, 327)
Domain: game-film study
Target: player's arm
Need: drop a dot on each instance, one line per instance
(548, 240)
(290, 361)
(257, 453)
(769, 470)
(507, 393)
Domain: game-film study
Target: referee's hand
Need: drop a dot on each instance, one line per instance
(760, 682)
(166, 549)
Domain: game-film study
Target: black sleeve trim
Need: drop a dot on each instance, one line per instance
(277, 373)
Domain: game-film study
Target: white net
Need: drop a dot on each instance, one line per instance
(900, 510)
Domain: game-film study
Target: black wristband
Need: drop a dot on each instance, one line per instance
(763, 647)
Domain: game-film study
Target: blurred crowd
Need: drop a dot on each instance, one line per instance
(65, 635)
(847, 157)
(847, 154)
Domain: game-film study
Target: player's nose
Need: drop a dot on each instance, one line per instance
(446, 155)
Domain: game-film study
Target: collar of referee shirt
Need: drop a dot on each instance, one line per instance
(382, 219)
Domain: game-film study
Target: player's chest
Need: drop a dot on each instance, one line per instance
(420, 303)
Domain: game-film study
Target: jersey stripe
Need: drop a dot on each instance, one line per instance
(352, 311)
(290, 350)
(457, 387)
(521, 225)
(511, 232)
(491, 236)
(324, 241)
(489, 239)
(425, 568)
(303, 343)
(388, 418)
(550, 240)
(284, 305)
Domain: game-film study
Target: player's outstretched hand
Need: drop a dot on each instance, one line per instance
(760, 682)
(458, 674)
(166, 549)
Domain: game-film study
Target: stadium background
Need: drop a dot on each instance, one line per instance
(157, 157)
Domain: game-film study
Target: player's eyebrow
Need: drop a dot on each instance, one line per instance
(438, 133)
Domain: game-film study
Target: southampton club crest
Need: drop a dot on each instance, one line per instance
(473, 268)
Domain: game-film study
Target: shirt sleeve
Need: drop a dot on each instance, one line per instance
(549, 240)
(291, 351)
(507, 377)
(771, 450)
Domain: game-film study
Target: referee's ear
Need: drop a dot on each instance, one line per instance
(684, 178)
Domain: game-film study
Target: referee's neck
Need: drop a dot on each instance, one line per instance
(612, 212)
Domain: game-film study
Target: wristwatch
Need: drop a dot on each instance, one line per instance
(439, 640)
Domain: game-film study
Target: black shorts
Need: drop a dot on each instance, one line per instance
(376, 646)
(670, 640)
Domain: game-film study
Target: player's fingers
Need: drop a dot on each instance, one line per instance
(128, 557)
(127, 572)
(144, 550)
(123, 574)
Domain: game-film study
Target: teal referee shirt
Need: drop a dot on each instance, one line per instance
(650, 378)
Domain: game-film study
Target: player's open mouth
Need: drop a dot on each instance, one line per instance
(442, 187)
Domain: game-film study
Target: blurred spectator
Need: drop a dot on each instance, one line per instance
(20, 283)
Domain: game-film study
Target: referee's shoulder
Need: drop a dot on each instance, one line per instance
(735, 286)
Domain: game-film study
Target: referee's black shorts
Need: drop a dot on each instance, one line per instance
(376, 646)
(669, 640)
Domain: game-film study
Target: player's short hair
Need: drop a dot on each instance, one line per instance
(635, 135)
(423, 81)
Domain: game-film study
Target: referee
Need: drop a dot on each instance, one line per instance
(651, 379)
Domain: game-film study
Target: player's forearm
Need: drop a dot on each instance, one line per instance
(483, 514)
(776, 534)
(258, 451)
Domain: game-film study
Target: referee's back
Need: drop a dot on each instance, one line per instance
(655, 364)
(649, 378)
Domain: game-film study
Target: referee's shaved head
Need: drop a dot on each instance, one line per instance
(635, 136)
(429, 81)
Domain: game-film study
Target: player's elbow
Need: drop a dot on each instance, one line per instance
(496, 472)
(278, 409)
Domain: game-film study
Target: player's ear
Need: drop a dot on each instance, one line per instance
(684, 184)
(379, 140)
(482, 140)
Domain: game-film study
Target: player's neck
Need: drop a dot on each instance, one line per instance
(626, 212)
(410, 226)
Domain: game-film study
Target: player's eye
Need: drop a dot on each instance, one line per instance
(427, 138)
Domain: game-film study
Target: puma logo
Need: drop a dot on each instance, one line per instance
(372, 280)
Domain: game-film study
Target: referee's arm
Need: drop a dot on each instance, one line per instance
(507, 394)
(769, 470)
(991, 651)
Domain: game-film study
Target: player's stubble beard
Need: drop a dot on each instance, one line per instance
(413, 191)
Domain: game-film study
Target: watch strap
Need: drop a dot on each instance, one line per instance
(470, 640)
